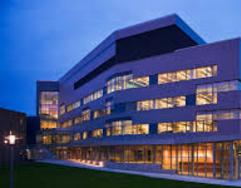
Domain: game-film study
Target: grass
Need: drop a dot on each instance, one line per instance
(36, 175)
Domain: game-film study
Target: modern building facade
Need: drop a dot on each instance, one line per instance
(153, 97)
(16, 122)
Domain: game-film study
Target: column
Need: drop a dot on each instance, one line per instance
(214, 160)
(231, 161)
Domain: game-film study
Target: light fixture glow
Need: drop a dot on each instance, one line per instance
(11, 139)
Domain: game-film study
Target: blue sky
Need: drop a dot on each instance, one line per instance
(42, 39)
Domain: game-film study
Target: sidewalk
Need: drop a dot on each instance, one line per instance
(234, 183)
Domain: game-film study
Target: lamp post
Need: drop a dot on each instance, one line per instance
(11, 140)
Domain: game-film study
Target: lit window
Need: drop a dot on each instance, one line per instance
(108, 131)
(201, 72)
(204, 117)
(204, 72)
(187, 126)
(219, 115)
(172, 77)
(162, 78)
(108, 106)
(139, 82)
(206, 95)
(116, 130)
(77, 120)
(85, 116)
(126, 82)
(97, 114)
(176, 102)
(180, 101)
(47, 139)
(77, 136)
(161, 103)
(164, 127)
(136, 129)
(67, 124)
(97, 133)
(93, 96)
(180, 127)
(73, 106)
(62, 109)
(48, 104)
(85, 135)
(145, 105)
(227, 86)
(182, 75)
(47, 124)
(62, 138)
(126, 127)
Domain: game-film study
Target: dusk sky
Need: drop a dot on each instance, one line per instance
(42, 39)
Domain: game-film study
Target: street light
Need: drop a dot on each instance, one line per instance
(11, 140)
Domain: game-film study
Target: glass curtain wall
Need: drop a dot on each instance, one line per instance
(214, 160)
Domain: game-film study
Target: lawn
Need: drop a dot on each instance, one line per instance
(36, 175)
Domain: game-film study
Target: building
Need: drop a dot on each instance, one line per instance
(153, 97)
(33, 128)
(15, 122)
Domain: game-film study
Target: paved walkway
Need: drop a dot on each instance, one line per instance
(234, 183)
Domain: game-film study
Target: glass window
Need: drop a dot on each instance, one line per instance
(97, 114)
(145, 105)
(200, 72)
(77, 120)
(97, 133)
(204, 72)
(62, 138)
(125, 127)
(227, 86)
(180, 101)
(47, 124)
(162, 127)
(62, 109)
(161, 103)
(85, 116)
(205, 95)
(141, 129)
(67, 123)
(219, 115)
(48, 104)
(187, 126)
(204, 117)
(139, 82)
(182, 75)
(163, 78)
(136, 129)
(126, 82)
(47, 139)
(108, 106)
(85, 135)
(93, 96)
(108, 131)
(116, 129)
(77, 136)
(179, 127)
(170, 103)
(73, 106)
(172, 77)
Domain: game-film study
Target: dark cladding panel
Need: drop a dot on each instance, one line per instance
(106, 65)
(152, 43)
